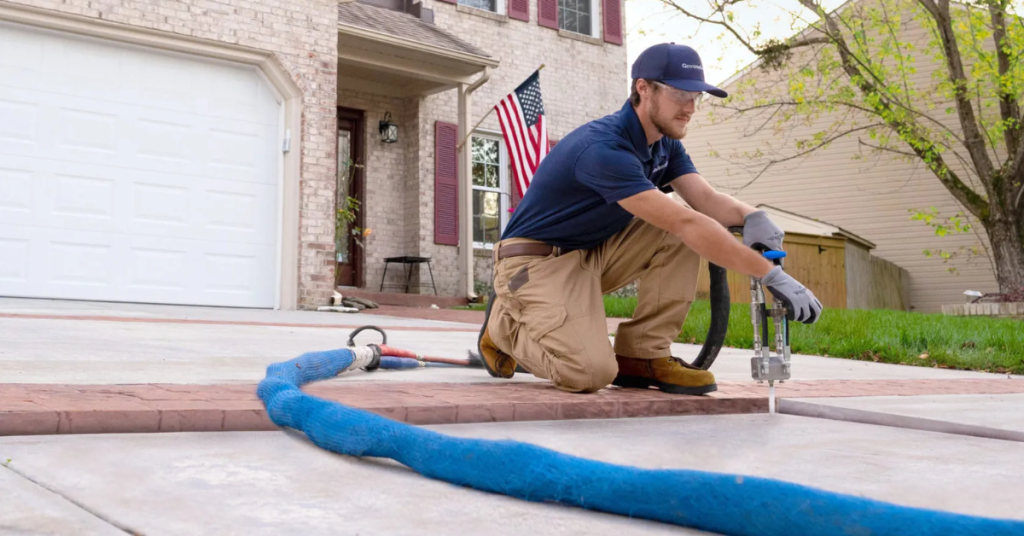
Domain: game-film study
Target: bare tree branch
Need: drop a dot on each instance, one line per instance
(809, 41)
(931, 7)
(910, 176)
(887, 149)
(954, 63)
(977, 47)
(803, 153)
(770, 117)
(963, 162)
(1008, 108)
(866, 110)
(1015, 171)
(899, 50)
(723, 24)
(836, 38)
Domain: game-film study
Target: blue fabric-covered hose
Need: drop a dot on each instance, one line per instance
(392, 362)
(716, 502)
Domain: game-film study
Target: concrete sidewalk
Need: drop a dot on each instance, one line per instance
(58, 342)
(80, 368)
(275, 483)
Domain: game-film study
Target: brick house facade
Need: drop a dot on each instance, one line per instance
(401, 212)
(326, 65)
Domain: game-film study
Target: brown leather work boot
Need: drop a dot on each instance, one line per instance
(498, 363)
(669, 374)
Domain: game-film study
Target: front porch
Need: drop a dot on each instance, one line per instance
(403, 299)
(405, 189)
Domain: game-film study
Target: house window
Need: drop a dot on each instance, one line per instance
(490, 190)
(578, 16)
(486, 5)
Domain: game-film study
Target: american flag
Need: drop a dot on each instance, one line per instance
(521, 115)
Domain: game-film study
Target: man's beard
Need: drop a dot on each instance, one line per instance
(666, 128)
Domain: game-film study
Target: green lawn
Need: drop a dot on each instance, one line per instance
(985, 344)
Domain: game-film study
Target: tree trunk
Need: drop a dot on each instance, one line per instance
(1008, 253)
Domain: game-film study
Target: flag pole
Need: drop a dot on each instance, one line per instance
(470, 131)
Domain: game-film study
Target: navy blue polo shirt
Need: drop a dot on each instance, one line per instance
(573, 199)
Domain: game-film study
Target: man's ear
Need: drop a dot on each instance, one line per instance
(643, 87)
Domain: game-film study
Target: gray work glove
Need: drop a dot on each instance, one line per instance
(801, 305)
(758, 230)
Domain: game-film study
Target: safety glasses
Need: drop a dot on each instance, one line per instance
(680, 97)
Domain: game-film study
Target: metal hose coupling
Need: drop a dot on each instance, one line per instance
(364, 357)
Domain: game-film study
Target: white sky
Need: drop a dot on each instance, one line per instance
(650, 22)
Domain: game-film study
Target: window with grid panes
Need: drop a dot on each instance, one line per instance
(490, 190)
(486, 5)
(576, 16)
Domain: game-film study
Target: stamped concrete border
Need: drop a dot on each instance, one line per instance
(32, 409)
(28, 409)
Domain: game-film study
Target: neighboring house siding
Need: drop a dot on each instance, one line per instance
(581, 81)
(870, 197)
(302, 35)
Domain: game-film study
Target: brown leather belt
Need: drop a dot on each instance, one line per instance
(530, 248)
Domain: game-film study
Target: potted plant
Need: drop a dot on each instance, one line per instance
(345, 218)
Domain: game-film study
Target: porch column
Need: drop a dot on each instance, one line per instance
(465, 190)
(466, 181)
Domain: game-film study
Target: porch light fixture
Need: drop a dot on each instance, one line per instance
(388, 130)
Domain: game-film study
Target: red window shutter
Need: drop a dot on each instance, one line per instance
(547, 13)
(612, 10)
(519, 9)
(446, 184)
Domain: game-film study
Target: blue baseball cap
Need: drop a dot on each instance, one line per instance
(676, 65)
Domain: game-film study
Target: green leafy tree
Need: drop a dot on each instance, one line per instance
(925, 80)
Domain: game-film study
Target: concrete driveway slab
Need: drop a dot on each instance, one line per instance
(154, 312)
(80, 351)
(38, 350)
(275, 483)
(30, 509)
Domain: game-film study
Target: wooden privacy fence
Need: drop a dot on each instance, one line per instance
(842, 274)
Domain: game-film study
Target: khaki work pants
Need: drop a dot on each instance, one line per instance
(549, 311)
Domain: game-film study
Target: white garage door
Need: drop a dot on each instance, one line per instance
(136, 175)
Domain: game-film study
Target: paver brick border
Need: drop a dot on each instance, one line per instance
(34, 409)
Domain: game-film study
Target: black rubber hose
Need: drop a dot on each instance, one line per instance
(765, 315)
(720, 307)
(352, 336)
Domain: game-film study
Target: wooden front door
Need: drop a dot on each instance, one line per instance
(349, 197)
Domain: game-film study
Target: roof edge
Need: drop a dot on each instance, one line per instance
(841, 232)
(465, 57)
